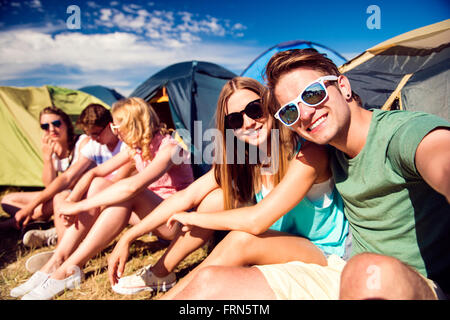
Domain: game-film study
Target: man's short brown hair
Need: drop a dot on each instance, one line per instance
(286, 61)
(94, 115)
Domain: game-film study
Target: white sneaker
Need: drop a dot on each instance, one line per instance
(37, 261)
(36, 279)
(144, 280)
(40, 238)
(52, 287)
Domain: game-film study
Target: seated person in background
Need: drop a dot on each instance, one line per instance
(94, 120)
(60, 148)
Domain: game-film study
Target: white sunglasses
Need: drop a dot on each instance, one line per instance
(113, 127)
(313, 95)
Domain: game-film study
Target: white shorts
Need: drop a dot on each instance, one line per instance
(297, 280)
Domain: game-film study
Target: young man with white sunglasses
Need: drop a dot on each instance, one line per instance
(391, 168)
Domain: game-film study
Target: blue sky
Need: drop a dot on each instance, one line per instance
(120, 44)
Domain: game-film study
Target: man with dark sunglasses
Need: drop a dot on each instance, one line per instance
(102, 145)
(392, 169)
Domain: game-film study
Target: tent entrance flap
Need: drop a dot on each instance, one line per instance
(160, 102)
(160, 96)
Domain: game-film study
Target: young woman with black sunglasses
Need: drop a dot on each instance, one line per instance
(59, 150)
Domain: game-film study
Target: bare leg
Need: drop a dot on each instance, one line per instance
(43, 212)
(70, 237)
(244, 249)
(134, 219)
(374, 276)
(13, 202)
(108, 225)
(186, 242)
(59, 222)
(216, 282)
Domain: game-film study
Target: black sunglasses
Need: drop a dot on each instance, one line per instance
(96, 135)
(253, 110)
(55, 123)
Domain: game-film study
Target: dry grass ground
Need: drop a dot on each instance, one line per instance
(146, 250)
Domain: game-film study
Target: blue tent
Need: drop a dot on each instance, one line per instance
(107, 95)
(256, 69)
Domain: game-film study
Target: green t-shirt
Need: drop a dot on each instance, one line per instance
(391, 210)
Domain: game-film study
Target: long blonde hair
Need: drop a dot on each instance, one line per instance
(239, 181)
(140, 124)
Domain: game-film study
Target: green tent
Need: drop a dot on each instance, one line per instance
(20, 139)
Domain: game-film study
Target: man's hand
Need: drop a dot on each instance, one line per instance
(22, 217)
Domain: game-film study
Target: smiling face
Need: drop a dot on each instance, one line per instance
(322, 124)
(253, 131)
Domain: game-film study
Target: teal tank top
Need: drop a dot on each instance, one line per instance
(326, 227)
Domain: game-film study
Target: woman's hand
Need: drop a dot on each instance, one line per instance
(68, 208)
(47, 146)
(117, 260)
(68, 211)
(50, 146)
(182, 217)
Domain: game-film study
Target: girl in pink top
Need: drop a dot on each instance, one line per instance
(177, 178)
(95, 221)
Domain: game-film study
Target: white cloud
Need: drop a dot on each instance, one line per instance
(125, 45)
(170, 27)
(187, 37)
(92, 4)
(212, 25)
(130, 8)
(35, 4)
(105, 14)
(114, 59)
(239, 26)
